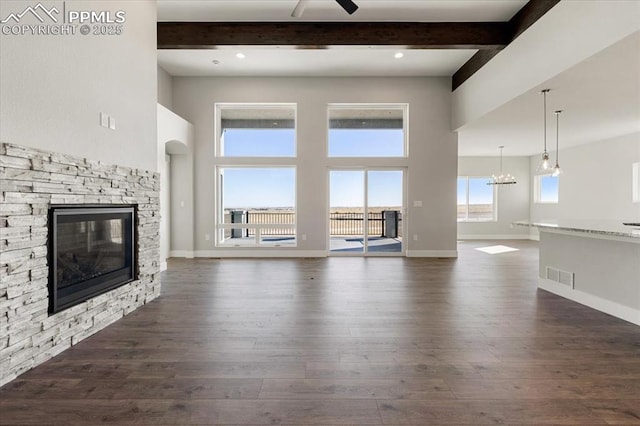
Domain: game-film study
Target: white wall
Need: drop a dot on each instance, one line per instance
(175, 139)
(596, 183)
(432, 163)
(513, 200)
(53, 88)
(165, 88)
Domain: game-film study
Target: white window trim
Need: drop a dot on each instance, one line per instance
(495, 202)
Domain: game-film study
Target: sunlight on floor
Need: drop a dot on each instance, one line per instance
(497, 249)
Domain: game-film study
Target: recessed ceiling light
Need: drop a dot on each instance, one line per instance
(398, 55)
(240, 55)
(215, 62)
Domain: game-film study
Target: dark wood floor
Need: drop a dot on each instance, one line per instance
(345, 341)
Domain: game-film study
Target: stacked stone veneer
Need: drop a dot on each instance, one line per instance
(30, 181)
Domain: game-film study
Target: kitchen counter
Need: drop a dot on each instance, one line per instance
(592, 262)
(597, 228)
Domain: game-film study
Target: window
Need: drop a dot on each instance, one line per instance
(256, 206)
(546, 189)
(476, 200)
(261, 130)
(367, 131)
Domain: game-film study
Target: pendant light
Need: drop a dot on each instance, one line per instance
(502, 179)
(557, 171)
(544, 166)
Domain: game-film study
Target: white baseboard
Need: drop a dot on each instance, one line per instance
(260, 253)
(432, 253)
(603, 305)
(494, 237)
(163, 266)
(182, 253)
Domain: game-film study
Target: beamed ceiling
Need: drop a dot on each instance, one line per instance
(486, 39)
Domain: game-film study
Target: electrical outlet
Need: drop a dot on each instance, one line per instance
(304, 237)
(415, 237)
(417, 204)
(207, 237)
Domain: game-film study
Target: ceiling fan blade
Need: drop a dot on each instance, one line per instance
(349, 6)
(299, 9)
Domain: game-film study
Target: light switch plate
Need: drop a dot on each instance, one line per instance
(112, 123)
(417, 204)
(104, 120)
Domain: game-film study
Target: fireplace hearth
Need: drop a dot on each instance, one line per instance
(92, 251)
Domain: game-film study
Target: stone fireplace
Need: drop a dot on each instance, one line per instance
(38, 187)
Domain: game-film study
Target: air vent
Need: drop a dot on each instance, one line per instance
(560, 276)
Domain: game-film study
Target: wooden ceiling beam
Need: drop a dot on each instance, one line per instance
(527, 16)
(319, 35)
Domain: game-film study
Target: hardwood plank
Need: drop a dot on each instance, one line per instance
(616, 412)
(482, 412)
(355, 389)
(135, 412)
(545, 389)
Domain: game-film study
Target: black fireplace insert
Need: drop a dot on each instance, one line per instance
(92, 250)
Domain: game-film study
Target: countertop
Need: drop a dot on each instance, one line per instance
(599, 227)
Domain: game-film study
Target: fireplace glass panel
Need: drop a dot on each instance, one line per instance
(88, 249)
(92, 252)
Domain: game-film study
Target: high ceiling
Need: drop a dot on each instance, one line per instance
(285, 62)
(344, 61)
(329, 10)
(600, 96)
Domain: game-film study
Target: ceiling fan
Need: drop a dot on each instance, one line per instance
(349, 6)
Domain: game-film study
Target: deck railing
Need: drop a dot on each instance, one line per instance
(341, 223)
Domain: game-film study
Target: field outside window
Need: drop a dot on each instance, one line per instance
(256, 206)
(476, 200)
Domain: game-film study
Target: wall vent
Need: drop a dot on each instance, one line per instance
(560, 276)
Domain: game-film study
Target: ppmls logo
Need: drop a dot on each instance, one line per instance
(40, 20)
(38, 11)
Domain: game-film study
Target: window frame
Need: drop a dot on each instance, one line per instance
(368, 106)
(495, 201)
(221, 227)
(220, 106)
(537, 189)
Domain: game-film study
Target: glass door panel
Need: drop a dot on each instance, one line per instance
(346, 211)
(384, 210)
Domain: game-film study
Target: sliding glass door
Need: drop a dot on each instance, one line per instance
(366, 212)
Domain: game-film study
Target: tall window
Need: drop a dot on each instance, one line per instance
(367, 130)
(256, 130)
(476, 200)
(257, 206)
(546, 189)
(255, 197)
